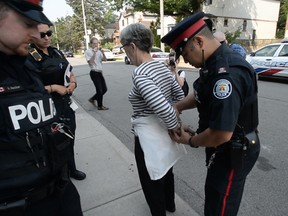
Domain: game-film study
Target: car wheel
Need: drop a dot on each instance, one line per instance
(126, 60)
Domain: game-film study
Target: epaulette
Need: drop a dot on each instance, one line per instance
(35, 54)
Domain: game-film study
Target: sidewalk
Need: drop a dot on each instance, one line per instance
(112, 186)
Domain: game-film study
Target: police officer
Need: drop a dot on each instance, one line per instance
(33, 145)
(225, 95)
(59, 80)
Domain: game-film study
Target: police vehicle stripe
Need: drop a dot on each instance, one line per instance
(271, 72)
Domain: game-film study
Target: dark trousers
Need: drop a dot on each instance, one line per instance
(66, 202)
(159, 194)
(100, 85)
(67, 116)
(63, 204)
(224, 186)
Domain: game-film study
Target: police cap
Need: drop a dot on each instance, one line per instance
(31, 9)
(183, 31)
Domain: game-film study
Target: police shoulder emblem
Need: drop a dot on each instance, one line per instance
(222, 89)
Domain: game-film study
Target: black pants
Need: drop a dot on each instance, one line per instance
(160, 193)
(57, 204)
(67, 116)
(224, 186)
(100, 85)
(67, 203)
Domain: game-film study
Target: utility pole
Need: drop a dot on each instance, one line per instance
(162, 23)
(85, 27)
(55, 29)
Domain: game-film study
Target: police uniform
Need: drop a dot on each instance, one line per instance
(33, 156)
(52, 69)
(226, 99)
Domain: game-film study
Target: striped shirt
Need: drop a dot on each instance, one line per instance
(154, 91)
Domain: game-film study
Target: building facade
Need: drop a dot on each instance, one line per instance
(256, 19)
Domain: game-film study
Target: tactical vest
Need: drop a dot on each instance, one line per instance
(27, 144)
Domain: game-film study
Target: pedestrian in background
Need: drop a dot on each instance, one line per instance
(152, 95)
(179, 74)
(94, 57)
(34, 176)
(59, 80)
(221, 37)
(225, 96)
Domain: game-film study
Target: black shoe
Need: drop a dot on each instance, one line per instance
(103, 108)
(78, 175)
(92, 102)
(171, 208)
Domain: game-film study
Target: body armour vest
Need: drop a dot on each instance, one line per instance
(26, 114)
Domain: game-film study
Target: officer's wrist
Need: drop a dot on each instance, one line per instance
(75, 83)
(191, 144)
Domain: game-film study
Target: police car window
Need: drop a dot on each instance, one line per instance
(267, 51)
(284, 51)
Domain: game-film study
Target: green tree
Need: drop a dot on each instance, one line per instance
(98, 14)
(67, 34)
(154, 26)
(282, 18)
(232, 36)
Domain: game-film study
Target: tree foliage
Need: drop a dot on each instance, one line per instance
(282, 18)
(98, 14)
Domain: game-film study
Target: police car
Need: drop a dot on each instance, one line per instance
(271, 60)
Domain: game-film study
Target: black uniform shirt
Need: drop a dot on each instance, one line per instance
(26, 110)
(52, 67)
(222, 90)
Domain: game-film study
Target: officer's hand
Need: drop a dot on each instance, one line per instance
(182, 137)
(71, 88)
(62, 90)
(189, 130)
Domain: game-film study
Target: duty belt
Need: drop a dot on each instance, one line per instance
(28, 197)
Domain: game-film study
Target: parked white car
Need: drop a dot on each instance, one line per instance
(156, 53)
(109, 55)
(117, 50)
(271, 60)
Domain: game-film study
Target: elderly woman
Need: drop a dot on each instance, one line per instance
(153, 93)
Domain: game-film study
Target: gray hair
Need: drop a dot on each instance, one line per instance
(139, 34)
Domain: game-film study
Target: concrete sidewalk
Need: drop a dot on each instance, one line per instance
(112, 186)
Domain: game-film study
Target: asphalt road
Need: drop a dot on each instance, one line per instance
(266, 187)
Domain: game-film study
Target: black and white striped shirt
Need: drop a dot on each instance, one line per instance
(154, 91)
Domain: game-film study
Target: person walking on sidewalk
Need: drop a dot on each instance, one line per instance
(225, 96)
(59, 80)
(153, 93)
(33, 150)
(94, 57)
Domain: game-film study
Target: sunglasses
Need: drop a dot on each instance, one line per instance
(48, 33)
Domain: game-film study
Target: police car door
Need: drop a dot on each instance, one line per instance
(280, 63)
(261, 60)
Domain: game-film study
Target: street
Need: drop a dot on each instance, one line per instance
(266, 187)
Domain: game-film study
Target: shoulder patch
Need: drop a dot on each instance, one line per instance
(222, 89)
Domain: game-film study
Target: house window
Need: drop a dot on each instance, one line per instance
(122, 22)
(225, 22)
(244, 25)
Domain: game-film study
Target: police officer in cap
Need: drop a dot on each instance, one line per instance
(225, 95)
(33, 145)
